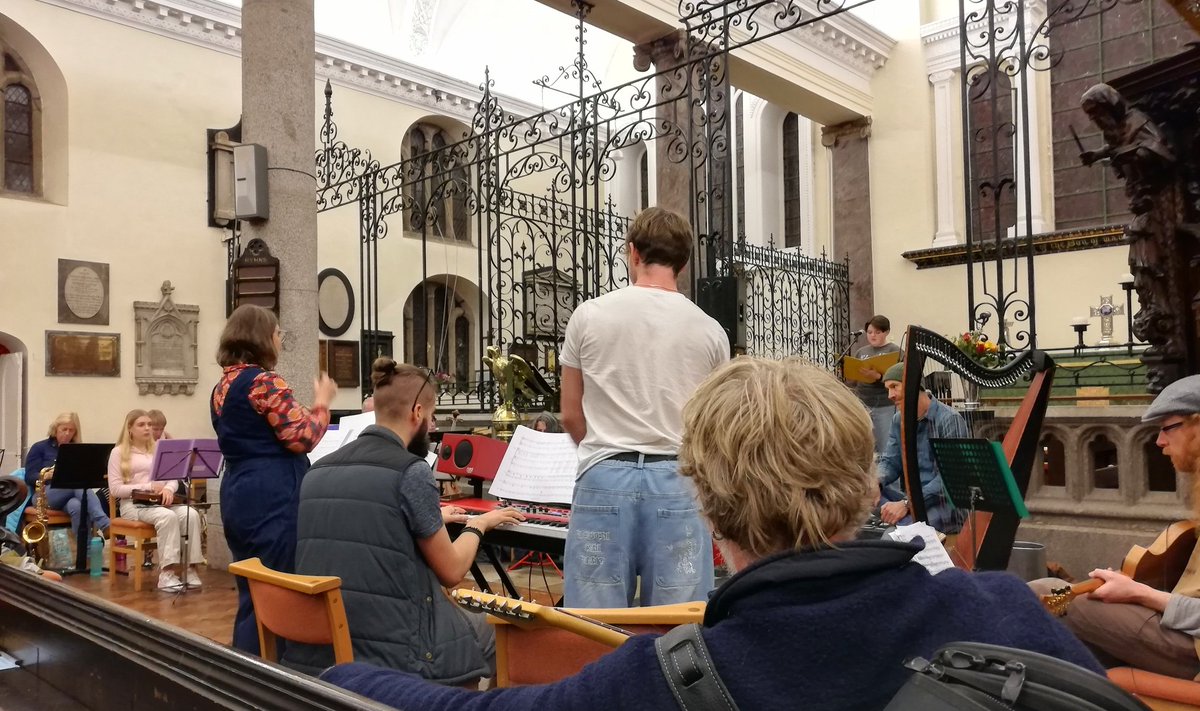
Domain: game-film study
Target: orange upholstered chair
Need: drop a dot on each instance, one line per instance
(1159, 692)
(302, 608)
(540, 655)
(138, 537)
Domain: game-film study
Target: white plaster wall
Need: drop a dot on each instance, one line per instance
(139, 107)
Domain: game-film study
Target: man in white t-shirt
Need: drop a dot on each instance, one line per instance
(631, 359)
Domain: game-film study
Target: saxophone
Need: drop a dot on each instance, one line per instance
(35, 531)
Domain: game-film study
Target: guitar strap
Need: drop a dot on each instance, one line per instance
(688, 668)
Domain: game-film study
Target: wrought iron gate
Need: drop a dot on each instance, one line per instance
(540, 255)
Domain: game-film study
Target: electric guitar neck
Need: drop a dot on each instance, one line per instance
(531, 614)
(1059, 598)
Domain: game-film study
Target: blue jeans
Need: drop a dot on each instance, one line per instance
(69, 500)
(881, 425)
(631, 519)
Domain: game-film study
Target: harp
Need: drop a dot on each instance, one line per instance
(993, 533)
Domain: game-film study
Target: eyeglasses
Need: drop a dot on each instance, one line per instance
(1170, 428)
(428, 376)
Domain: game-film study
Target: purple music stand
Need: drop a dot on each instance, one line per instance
(184, 460)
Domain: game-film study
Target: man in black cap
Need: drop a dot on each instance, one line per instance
(934, 420)
(1127, 623)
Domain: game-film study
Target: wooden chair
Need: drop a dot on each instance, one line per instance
(301, 608)
(1159, 692)
(139, 533)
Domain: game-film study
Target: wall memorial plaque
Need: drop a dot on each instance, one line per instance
(343, 363)
(75, 353)
(166, 344)
(82, 292)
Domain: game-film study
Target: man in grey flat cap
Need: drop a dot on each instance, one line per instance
(1127, 623)
(933, 420)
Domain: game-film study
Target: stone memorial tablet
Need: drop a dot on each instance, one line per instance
(343, 363)
(82, 292)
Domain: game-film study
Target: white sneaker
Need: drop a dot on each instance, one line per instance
(193, 580)
(169, 581)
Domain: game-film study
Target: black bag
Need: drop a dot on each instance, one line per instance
(969, 676)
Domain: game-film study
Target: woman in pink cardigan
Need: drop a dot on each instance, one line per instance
(129, 469)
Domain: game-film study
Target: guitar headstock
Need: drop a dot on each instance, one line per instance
(515, 611)
(1057, 601)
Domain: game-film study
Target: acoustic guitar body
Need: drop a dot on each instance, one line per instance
(1161, 564)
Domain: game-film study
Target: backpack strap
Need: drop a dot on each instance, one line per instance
(688, 668)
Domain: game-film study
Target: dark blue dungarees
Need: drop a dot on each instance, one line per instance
(260, 496)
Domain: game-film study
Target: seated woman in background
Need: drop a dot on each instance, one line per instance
(158, 425)
(782, 457)
(63, 430)
(128, 470)
(546, 422)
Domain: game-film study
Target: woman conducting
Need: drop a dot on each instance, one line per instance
(264, 434)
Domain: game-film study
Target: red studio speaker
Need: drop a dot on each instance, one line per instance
(473, 456)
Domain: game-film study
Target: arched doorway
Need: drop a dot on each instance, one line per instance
(441, 327)
(13, 357)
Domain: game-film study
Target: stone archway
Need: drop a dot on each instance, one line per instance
(14, 357)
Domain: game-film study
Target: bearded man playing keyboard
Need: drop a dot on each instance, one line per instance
(370, 514)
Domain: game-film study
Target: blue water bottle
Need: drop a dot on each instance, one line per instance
(96, 556)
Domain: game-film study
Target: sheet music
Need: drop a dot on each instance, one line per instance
(331, 442)
(538, 467)
(934, 557)
(358, 423)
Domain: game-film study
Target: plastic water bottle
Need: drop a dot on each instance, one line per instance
(96, 556)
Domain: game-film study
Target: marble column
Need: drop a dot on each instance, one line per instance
(672, 181)
(278, 112)
(851, 191)
(945, 133)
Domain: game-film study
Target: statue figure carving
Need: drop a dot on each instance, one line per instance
(512, 375)
(1140, 153)
(1134, 145)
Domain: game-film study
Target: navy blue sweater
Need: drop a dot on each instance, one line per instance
(823, 630)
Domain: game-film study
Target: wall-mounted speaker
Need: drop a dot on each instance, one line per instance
(472, 456)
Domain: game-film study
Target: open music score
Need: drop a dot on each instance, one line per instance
(538, 467)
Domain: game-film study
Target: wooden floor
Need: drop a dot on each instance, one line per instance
(209, 610)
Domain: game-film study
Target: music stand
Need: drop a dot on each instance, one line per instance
(976, 477)
(81, 466)
(184, 460)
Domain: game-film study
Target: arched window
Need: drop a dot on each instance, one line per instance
(19, 110)
(437, 330)
(644, 177)
(440, 197)
(1104, 463)
(791, 181)
(740, 164)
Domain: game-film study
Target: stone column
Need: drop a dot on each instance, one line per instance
(945, 133)
(278, 112)
(672, 181)
(851, 191)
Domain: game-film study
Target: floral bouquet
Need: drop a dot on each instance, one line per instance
(444, 380)
(979, 349)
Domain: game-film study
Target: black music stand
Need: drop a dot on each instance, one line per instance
(184, 460)
(976, 476)
(81, 466)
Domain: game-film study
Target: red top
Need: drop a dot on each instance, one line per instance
(296, 426)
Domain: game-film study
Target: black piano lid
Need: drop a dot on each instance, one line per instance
(105, 657)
